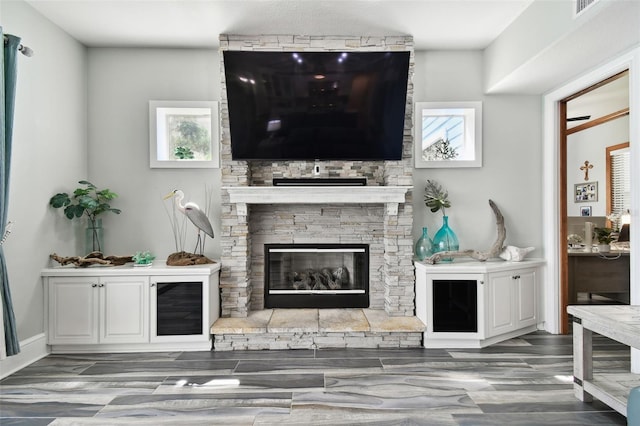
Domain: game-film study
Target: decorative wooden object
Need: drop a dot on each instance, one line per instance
(182, 258)
(494, 251)
(93, 258)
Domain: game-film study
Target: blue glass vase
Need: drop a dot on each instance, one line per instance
(424, 246)
(445, 239)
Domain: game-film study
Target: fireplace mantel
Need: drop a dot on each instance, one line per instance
(391, 196)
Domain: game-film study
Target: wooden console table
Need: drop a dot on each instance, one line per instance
(606, 274)
(617, 322)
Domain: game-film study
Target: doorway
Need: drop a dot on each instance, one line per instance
(592, 121)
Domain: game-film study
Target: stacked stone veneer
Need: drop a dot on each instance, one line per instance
(318, 340)
(389, 236)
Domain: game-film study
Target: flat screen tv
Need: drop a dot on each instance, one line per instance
(316, 105)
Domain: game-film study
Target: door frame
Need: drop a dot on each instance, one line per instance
(551, 179)
(564, 133)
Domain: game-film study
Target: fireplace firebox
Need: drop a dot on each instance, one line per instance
(316, 276)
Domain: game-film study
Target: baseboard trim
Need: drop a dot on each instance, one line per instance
(31, 350)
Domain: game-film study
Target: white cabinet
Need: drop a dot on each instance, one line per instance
(475, 304)
(129, 309)
(98, 310)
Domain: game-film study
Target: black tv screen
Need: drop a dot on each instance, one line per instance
(316, 105)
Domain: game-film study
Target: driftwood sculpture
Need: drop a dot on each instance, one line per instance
(93, 258)
(482, 256)
(182, 258)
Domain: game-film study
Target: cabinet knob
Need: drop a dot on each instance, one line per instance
(516, 277)
(153, 284)
(94, 285)
(101, 285)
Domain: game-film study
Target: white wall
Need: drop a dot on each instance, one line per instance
(49, 154)
(121, 83)
(515, 46)
(590, 145)
(510, 174)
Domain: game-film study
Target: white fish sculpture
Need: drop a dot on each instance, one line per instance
(515, 254)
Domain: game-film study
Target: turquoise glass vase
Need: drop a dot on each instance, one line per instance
(445, 239)
(424, 245)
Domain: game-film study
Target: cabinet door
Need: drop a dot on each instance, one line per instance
(124, 310)
(73, 310)
(454, 306)
(179, 309)
(500, 307)
(527, 297)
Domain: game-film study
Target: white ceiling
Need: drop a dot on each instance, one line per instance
(434, 24)
(607, 99)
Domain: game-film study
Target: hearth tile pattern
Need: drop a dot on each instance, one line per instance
(523, 381)
(339, 320)
(314, 320)
(256, 322)
(380, 322)
(293, 321)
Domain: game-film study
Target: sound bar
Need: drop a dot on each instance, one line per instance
(320, 182)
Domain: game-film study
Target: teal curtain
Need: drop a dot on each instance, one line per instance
(7, 101)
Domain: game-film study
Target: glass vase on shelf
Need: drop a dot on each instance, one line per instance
(445, 240)
(424, 245)
(94, 237)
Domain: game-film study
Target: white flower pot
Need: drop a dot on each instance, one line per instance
(604, 248)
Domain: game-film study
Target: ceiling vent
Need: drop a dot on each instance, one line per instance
(582, 5)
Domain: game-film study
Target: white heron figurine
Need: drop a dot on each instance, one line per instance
(195, 215)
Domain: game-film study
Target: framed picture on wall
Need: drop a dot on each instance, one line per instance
(448, 134)
(586, 192)
(183, 134)
(585, 211)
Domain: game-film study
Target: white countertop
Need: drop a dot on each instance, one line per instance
(474, 266)
(159, 267)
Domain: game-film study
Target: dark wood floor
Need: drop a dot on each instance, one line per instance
(523, 381)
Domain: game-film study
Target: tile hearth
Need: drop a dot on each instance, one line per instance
(319, 328)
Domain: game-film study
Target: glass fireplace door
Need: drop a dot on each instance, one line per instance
(316, 275)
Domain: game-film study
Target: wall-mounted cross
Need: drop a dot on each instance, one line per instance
(586, 168)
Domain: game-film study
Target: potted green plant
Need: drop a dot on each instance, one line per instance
(604, 238)
(87, 201)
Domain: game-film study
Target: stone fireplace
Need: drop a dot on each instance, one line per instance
(255, 213)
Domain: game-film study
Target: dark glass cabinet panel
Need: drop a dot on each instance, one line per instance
(179, 308)
(455, 306)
